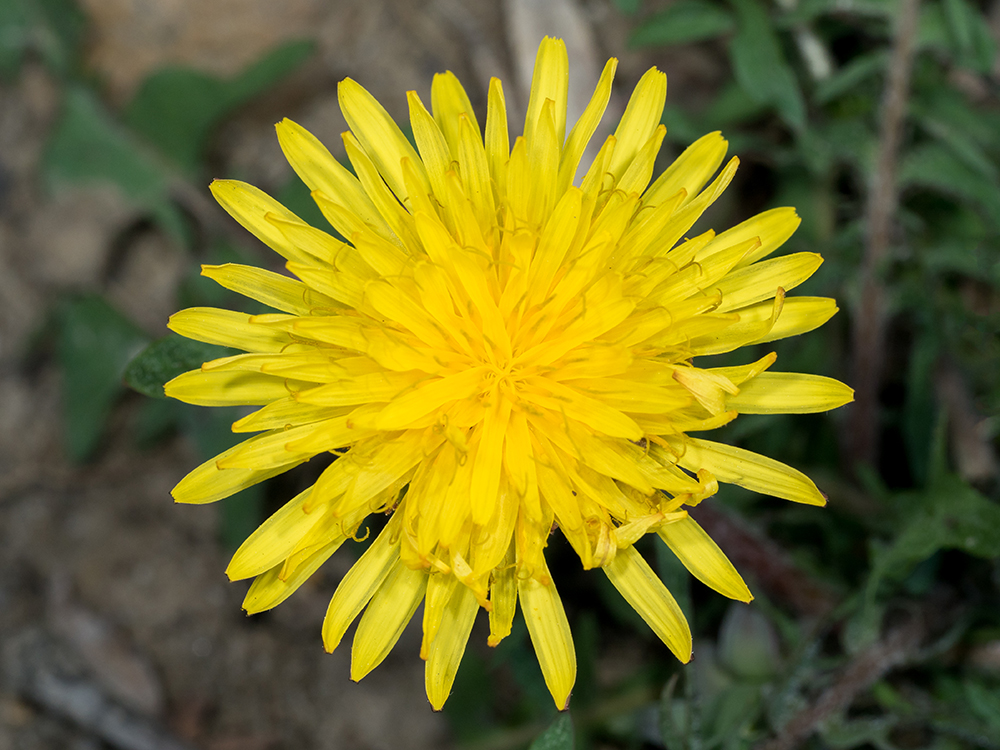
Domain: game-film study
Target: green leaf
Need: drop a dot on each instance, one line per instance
(683, 22)
(176, 109)
(15, 36)
(936, 167)
(748, 644)
(61, 25)
(857, 71)
(559, 735)
(87, 146)
(678, 716)
(95, 344)
(808, 10)
(165, 359)
(52, 28)
(949, 515)
(628, 7)
(973, 48)
(760, 67)
(732, 106)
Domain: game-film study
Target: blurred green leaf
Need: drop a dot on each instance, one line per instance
(748, 644)
(88, 146)
(808, 10)
(15, 36)
(628, 7)
(683, 22)
(843, 734)
(176, 109)
(760, 67)
(970, 35)
(165, 359)
(53, 28)
(96, 342)
(559, 735)
(936, 167)
(731, 716)
(932, 31)
(731, 106)
(984, 701)
(948, 515)
(678, 717)
(859, 69)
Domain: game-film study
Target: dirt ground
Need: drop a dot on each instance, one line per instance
(117, 624)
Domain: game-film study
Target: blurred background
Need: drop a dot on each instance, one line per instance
(876, 622)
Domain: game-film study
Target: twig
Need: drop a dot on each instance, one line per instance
(870, 323)
(861, 673)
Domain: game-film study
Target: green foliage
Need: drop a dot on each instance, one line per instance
(948, 515)
(559, 735)
(96, 343)
(760, 67)
(165, 359)
(88, 146)
(685, 21)
(181, 133)
(52, 29)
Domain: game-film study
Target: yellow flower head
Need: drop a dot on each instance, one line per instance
(498, 351)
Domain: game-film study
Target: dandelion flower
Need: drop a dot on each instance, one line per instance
(499, 349)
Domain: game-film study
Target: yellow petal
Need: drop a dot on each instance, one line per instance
(209, 483)
(643, 589)
(746, 469)
(228, 388)
(752, 284)
(449, 102)
(446, 651)
(269, 590)
(690, 171)
(639, 172)
(429, 396)
(274, 540)
(398, 219)
(798, 315)
(641, 118)
(272, 289)
(360, 584)
(228, 328)
(503, 598)
(701, 555)
(317, 168)
(249, 206)
(379, 135)
(433, 147)
(489, 458)
(385, 618)
(497, 138)
(584, 128)
(772, 227)
(475, 174)
(549, 82)
(550, 634)
(790, 393)
(266, 451)
(286, 412)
